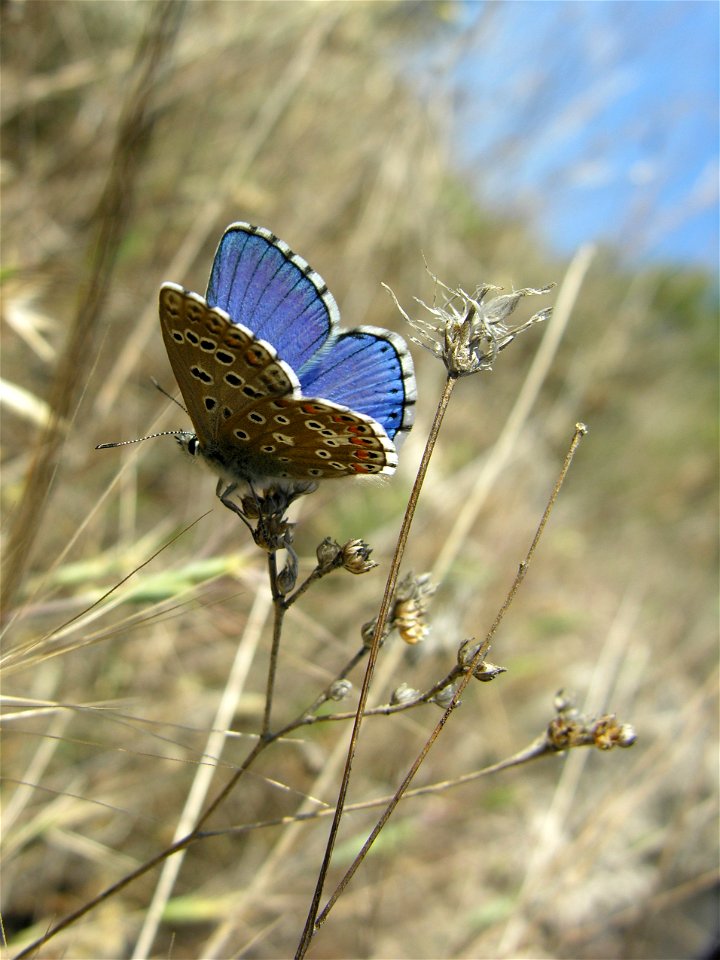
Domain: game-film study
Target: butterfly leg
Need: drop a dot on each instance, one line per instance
(223, 493)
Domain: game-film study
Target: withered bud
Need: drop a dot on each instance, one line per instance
(487, 671)
(287, 578)
(356, 557)
(564, 702)
(367, 632)
(404, 694)
(563, 733)
(627, 735)
(329, 554)
(467, 651)
(484, 670)
(340, 690)
(443, 697)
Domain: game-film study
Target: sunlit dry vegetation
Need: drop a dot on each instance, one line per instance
(132, 135)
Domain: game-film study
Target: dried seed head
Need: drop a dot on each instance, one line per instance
(356, 557)
(273, 531)
(484, 670)
(608, 733)
(412, 598)
(571, 729)
(563, 733)
(468, 331)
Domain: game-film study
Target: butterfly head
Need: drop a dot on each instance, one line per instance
(188, 443)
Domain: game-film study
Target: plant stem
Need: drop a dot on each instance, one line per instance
(279, 608)
(383, 614)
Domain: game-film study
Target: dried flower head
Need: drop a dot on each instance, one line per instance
(276, 499)
(353, 556)
(272, 531)
(356, 557)
(468, 331)
(570, 729)
(608, 733)
(412, 598)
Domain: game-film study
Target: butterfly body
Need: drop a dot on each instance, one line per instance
(275, 390)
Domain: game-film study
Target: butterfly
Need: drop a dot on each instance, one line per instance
(276, 390)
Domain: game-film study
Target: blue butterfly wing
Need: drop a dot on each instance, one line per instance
(260, 283)
(258, 280)
(369, 370)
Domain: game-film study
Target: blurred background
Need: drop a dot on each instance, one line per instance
(506, 143)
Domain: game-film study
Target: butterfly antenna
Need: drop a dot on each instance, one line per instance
(164, 392)
(151, 436)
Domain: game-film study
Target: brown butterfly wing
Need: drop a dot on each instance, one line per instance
(304, 439)
(222, 369)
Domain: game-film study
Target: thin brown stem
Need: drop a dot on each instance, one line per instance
(540, 747)
(304, 586)
(279, 608)
(308, 716)
(383, 614)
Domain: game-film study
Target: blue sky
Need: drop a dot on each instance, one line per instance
(598, 120)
